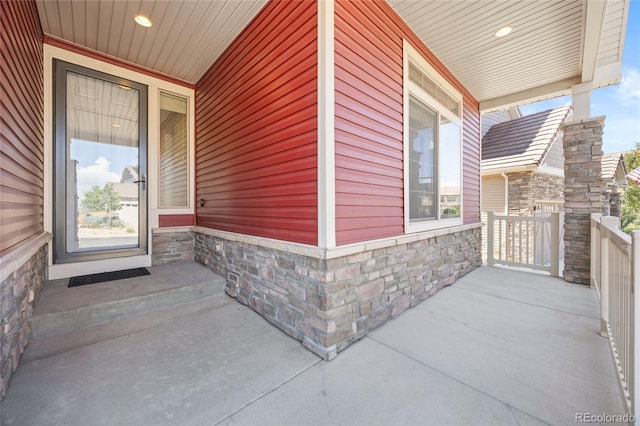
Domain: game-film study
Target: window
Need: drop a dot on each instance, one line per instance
(432, 147)
(174, 152)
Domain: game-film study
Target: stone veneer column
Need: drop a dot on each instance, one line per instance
(583, 190)
(615, 200)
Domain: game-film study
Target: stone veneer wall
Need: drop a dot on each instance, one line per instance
(171, 245)
(330, 298)
(583, 193)
(520, 193)
(547, 187)
(22, 281)
(525, 188)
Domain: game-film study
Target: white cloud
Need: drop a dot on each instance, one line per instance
(629, 88)
(95, 174)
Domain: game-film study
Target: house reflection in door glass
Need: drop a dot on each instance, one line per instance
(102, 134)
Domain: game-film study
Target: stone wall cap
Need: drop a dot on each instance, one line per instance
(600, 119)
(172, 229)
(325, 253)
(18, 257)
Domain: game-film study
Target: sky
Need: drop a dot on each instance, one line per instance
(620, 103)
(99, 163)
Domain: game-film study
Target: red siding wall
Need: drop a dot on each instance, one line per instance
(256, 129)
(368, 117)
(168, 220)
(21, 124)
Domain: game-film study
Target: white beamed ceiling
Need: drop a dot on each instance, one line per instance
(543, 56)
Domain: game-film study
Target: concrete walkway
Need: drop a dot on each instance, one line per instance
(498, 347)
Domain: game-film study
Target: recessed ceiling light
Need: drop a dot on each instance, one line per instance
(115, 125)
(503, 31)
(142, 20)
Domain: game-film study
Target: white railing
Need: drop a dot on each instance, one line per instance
(525, 241)
(546, 206)
(615, 273)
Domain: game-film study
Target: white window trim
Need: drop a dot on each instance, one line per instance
(189, 208)
(411, 89)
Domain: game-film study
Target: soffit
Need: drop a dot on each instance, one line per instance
(544, 56)
(184, 41)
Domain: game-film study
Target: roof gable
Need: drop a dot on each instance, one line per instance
(523, 141)
(613, 168)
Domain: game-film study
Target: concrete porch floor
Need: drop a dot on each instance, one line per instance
(497, 347)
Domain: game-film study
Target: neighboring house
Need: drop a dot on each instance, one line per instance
(487, 120)
(128, 213)
(310, 143)
(522, 163)
(614, 171)
(614, 179)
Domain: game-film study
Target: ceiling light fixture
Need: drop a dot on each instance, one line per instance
(142, 20)
(504, 31)
(115, 125)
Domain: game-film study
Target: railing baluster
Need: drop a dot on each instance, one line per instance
(615, 269)
(634, 332)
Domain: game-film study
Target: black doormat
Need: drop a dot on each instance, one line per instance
(107, 276)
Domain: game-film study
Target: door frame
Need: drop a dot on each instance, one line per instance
(60, 253)
(155, 83)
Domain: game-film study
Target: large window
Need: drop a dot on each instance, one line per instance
(432, 147)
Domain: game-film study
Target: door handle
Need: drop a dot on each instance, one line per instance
(143, 181)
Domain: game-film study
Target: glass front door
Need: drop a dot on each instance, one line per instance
(100, 165)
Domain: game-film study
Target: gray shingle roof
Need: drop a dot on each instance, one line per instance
(523, 141)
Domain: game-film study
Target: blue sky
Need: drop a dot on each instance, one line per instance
(620, 103)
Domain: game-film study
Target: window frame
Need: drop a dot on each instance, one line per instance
(189, 209)
(189, 142)
(410, 89)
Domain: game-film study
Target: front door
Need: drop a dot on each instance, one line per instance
(100, 165)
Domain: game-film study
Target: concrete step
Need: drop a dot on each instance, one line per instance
(46, 346)
(61, 309)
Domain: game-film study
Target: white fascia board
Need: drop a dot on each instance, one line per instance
(547, 170)
(539, 93)
(606, 75)
(514, 169)
(326, 126)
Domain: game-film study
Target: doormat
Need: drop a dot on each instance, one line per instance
(107, 276)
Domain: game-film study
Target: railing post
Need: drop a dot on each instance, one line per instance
(555, 244)
(607, 222)
(595, 248)
(490, 235)
(635, 331)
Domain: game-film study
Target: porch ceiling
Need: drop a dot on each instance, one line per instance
(554, 44)
(185, 39)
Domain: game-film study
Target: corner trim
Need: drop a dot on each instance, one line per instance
(326, 126)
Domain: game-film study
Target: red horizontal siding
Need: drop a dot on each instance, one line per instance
(369, 123)
(21, 124)
(168, 220)
(256, 129)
